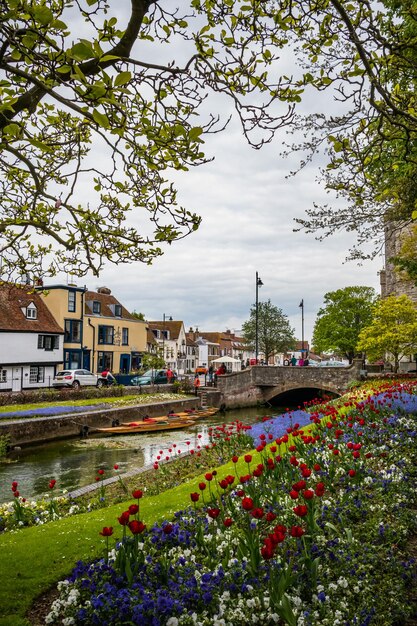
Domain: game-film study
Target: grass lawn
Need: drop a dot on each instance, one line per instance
(134, 399)
(33, 559)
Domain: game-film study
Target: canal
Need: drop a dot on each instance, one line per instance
(74, 463)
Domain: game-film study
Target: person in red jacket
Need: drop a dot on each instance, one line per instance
(196, 383)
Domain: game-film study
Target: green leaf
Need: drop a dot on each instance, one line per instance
(101, 119)
(81, 51)
(122, 78)
(43, 14)
(195, 133)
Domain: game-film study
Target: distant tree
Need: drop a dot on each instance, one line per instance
(393, 330)
(275, 334)
(344, 314)
(152, 361)
(138, 316)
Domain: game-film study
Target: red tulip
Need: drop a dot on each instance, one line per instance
(228, 522)
(133, 509)
(138, 493)
(300, 510)
(247, 503)
(124, 518)
(136, 527)
(194, 497)
(107, 531)
(296, 531)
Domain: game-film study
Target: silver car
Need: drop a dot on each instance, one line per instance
(75, 379)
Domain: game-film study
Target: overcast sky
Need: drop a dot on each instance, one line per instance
(247, 206)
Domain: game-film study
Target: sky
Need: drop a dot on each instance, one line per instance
(248, 205)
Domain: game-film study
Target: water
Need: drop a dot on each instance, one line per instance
(74, 463)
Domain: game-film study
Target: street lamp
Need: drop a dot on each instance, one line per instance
(301, 305)
(164, 317)
(259, 283)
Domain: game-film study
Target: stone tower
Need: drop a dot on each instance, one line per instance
(392, 282)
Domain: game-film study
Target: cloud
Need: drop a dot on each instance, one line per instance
(248, 206)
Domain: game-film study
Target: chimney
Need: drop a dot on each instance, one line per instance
(104, 290)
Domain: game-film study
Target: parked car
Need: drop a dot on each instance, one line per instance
(75, 379)
(156, 377)
(201, 370)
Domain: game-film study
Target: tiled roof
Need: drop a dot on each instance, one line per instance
(174, 327)
(150, 337)
(105, 300)
(15, 297)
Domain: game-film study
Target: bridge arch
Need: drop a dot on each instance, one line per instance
(260, 384)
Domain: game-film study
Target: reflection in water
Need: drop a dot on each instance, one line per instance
(74, 463)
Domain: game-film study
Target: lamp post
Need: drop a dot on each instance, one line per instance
(259, 283)
(164, 317)
(301, 305)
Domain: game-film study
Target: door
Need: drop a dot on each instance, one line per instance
(124, 363)
(86, 359)
(17, 379)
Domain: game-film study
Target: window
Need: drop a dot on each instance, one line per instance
(71, 301)
(72, 359)
(106, 334)
(118, 310)
(48, 342)
(96, 306)
(72, 331)
(37, 374)
(31, 312)
(105, 361)
(3, 376)
(125, 336)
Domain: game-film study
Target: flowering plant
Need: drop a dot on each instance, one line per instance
(310, 537)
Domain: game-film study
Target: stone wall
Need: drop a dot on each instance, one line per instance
(258, 384)
(39, 430)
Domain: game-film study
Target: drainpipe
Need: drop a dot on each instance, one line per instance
(94, 341)
(82, 325)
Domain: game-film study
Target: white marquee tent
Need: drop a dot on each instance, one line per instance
(232, 365)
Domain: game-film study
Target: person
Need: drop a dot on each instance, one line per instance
(286, 362)
(301, 362)
(211, 373)
(170, 375)
(196, 383)
(293, 361)
(107, 376)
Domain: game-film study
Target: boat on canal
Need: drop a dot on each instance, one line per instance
(192, 414)
(147, 426)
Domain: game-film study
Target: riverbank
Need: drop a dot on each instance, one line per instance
(36, 430)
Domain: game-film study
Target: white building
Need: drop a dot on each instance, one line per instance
(31, 341)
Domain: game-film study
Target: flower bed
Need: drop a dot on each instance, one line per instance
(315, 537)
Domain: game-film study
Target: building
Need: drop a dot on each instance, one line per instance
(99, 332)
(172, 342)
(31, 340)
(394, 282)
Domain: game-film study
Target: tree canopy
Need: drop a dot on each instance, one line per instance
(339, 322)
(393, 330)
(275, 334)
(74, 75)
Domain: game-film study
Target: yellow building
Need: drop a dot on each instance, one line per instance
(99, 331)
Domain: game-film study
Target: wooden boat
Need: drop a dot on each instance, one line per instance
(147, 426)
(187, 415)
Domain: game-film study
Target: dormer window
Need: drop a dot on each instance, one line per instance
(118, 310)
(31, 312)
(96, 306)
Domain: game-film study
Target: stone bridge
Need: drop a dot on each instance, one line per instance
(259, 385)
